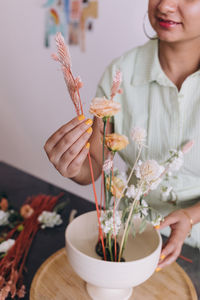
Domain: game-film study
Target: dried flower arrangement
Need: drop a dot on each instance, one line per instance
(17, 232)
(122, 203)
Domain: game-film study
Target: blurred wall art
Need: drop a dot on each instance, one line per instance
(70, 17)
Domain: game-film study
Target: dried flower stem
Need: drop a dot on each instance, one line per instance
(131, 173)
(104, 135)
(73, 88)
(115, 237)
(128, 221)
(97, 208)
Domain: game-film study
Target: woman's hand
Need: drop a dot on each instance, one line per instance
(180, 227)
(68, 147)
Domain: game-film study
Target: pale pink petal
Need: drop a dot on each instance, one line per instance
(78, 82)
(116, 84)
(63, 51)
(187, 147)
(55, 57)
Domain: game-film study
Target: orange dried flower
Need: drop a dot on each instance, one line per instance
(116, 142)
(4, 204)
(102, 107)
(117, 186)
(26, 211)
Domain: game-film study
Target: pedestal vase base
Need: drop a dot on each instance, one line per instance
(98, 293)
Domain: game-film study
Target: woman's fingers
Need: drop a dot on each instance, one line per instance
(170, 219)
(73, 141)
(66, 148)
(58, 135)
(170, 258)
(74, 156)
(74, 166)
(179, 230)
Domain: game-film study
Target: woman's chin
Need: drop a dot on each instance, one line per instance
(168, 38)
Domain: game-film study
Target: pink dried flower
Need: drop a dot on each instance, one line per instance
(73, 85)
(55, 57)
(63, 52)
(116, 84)
(78, 82)
(187, 147)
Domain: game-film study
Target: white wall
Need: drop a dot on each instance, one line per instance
(33, 97)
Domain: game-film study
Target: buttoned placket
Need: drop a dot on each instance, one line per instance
(180, 116)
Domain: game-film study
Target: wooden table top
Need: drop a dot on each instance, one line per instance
(56, 280)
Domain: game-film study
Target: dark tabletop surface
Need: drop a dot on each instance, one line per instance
(18, 185)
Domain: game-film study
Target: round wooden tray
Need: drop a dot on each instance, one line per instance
(55, 280)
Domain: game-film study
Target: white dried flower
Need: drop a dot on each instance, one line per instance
(157, 220)
(173, 196)
(108, 164)
(150, 170)
(137, 169)
(5, 246)
(176, 161)
(155, 183)
(138, 135)
(49, 219)
(108, 224)
(131, 191)
(4, 215)
(123, 177)
(145, 208)
(165, 192)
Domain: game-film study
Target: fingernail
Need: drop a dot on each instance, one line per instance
(87, 145)
(157, 226)
(89, 130)
(162, 257)
(81, 117)
(89, 122)
(158, 269)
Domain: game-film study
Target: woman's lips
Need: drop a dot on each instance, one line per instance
(167, 23)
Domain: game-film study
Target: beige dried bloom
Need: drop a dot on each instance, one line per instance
(116, 142)
(102, 107)
(117, 186)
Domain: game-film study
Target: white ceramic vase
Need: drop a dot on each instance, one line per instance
(111, 280)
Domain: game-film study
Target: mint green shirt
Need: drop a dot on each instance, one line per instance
(170, 117)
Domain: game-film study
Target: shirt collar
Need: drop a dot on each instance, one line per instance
(151, 70)
(147, 68)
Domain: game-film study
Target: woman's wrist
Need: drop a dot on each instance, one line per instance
(189, 219)
(193, 213)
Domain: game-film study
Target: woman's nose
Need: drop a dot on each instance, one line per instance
(167, 6)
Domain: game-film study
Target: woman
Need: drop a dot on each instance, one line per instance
(161, 83)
